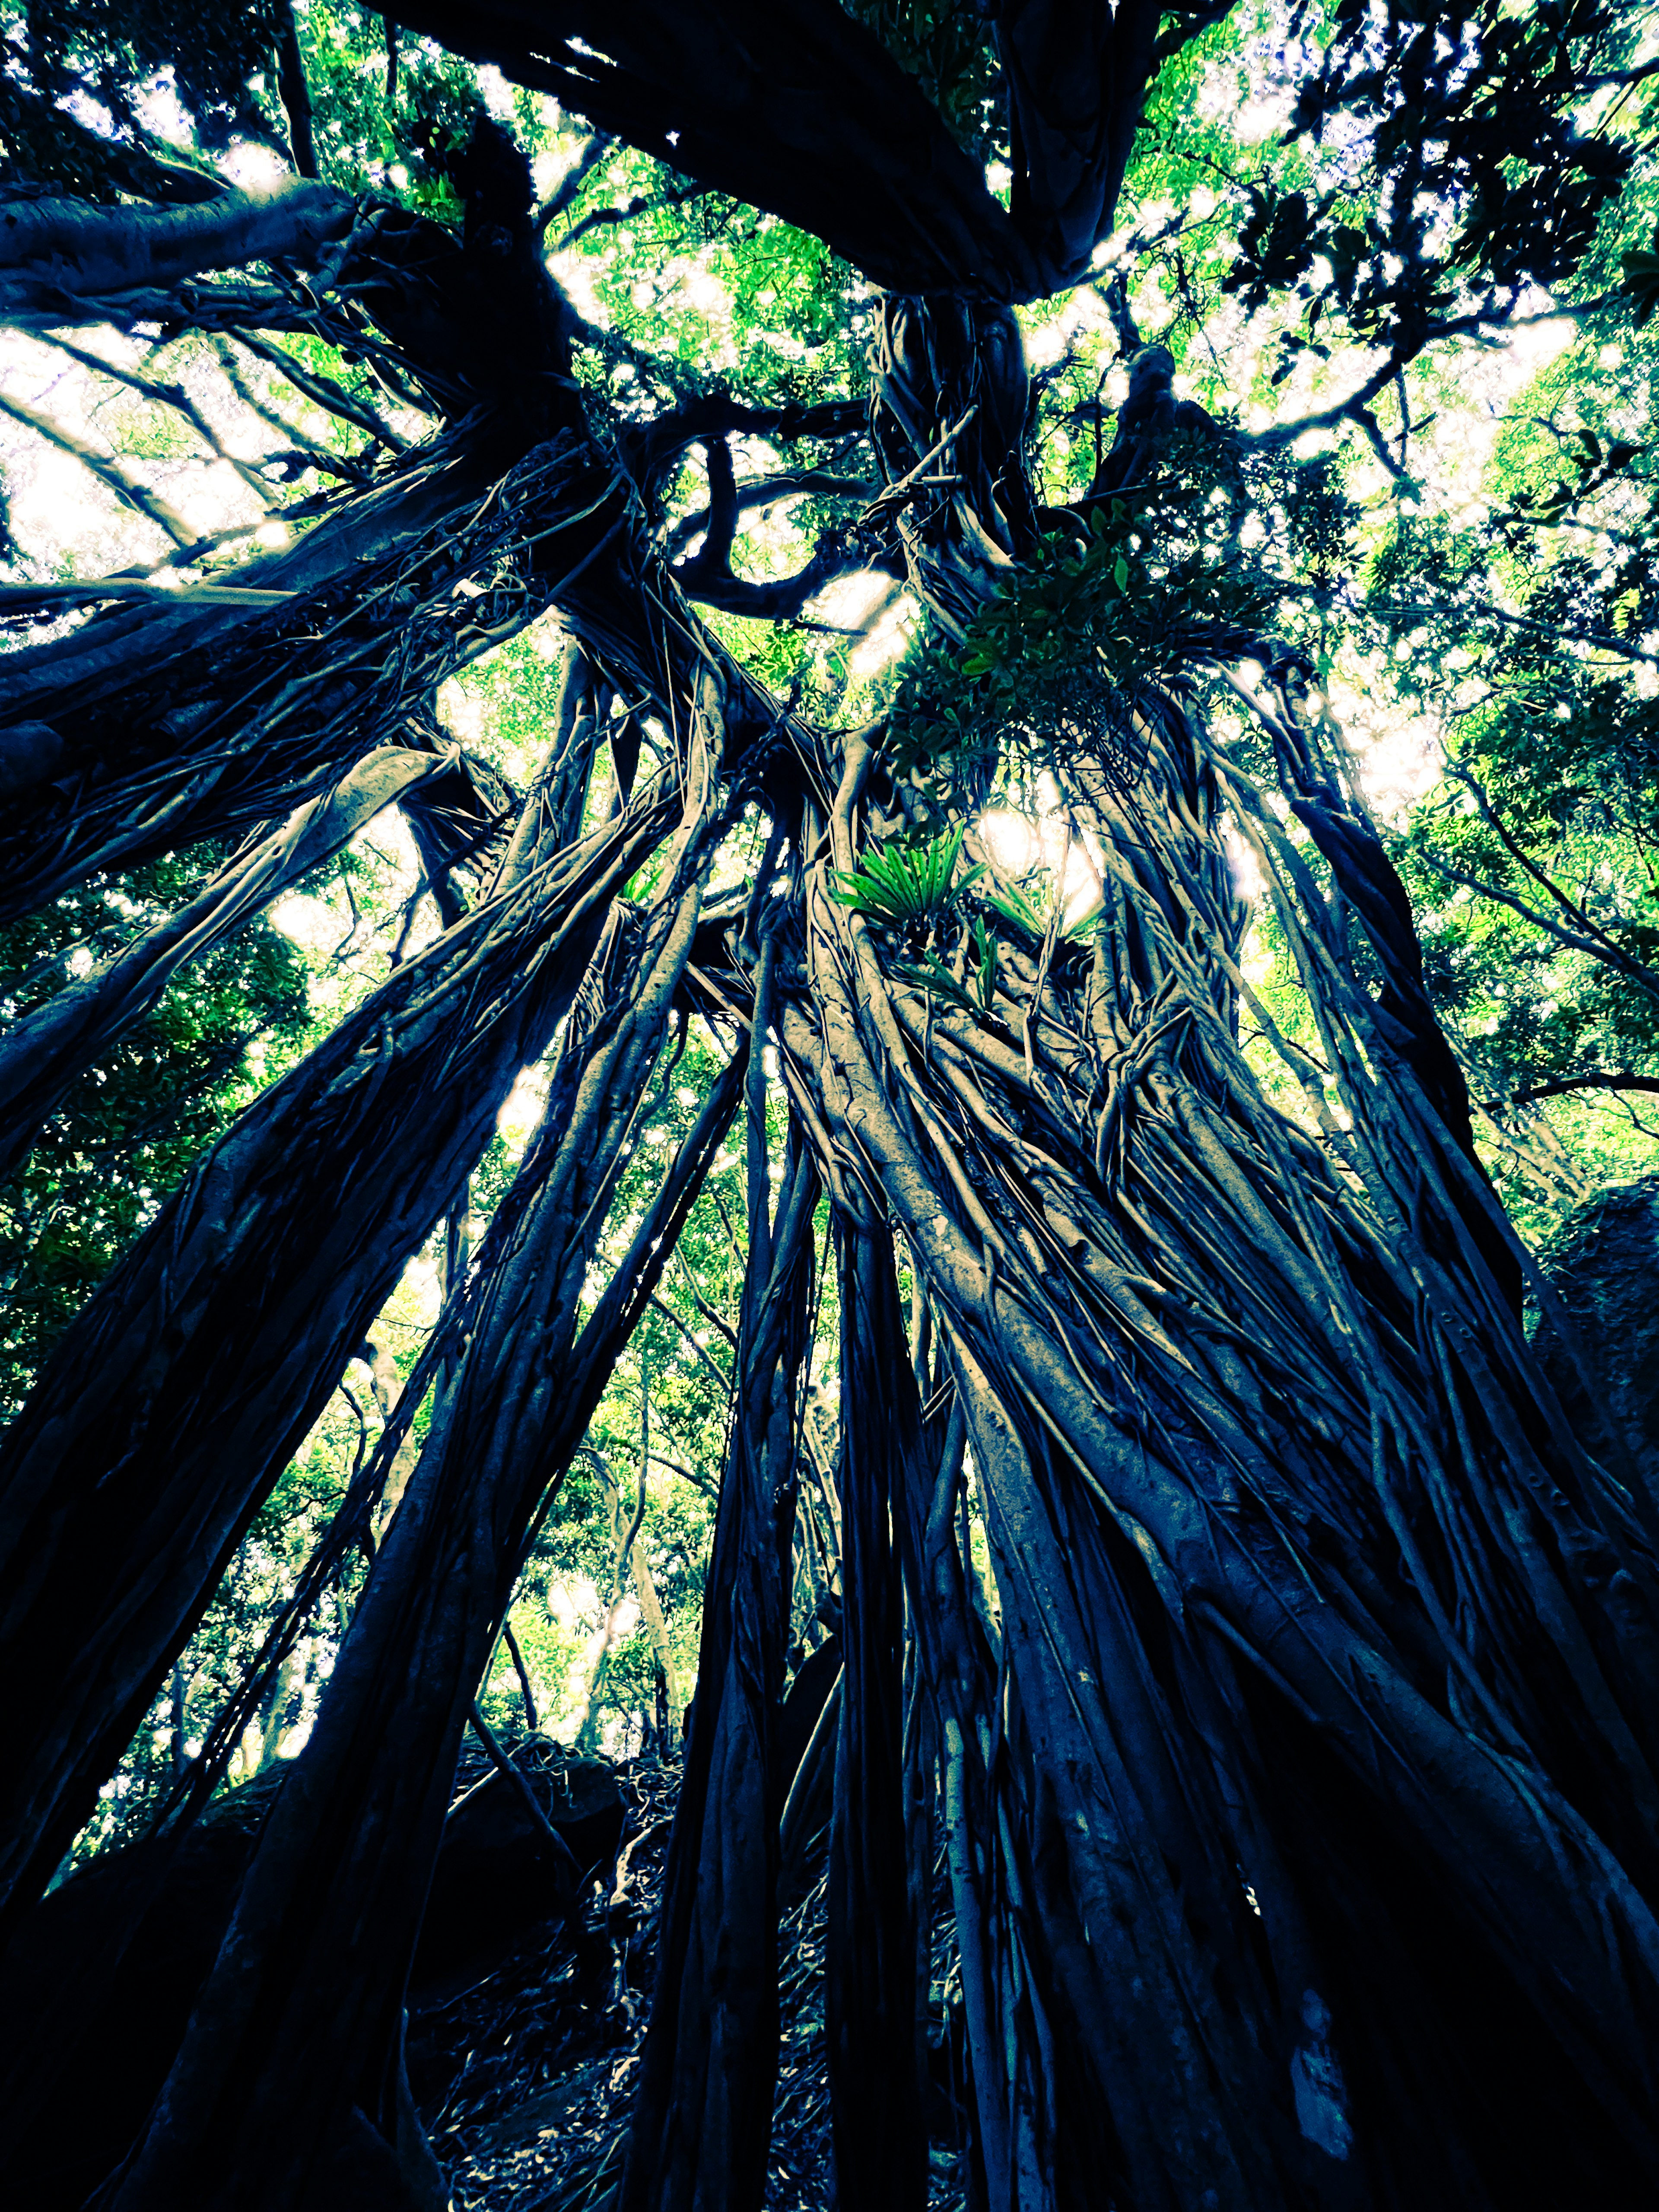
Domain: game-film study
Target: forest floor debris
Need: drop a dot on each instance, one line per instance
(544, 2051)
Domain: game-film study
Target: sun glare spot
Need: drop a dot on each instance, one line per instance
(252, 168)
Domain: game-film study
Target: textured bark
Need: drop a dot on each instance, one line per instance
(291, 2064)
(702, 2115)
(57, 254)
(98, 165)
(173, 727)
(798, 109)
(1600, 1342)
(1161, 1496)
(869, 1994)
(174, 1402)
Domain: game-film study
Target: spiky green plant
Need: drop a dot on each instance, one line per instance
(905, 887)
(1015, 903)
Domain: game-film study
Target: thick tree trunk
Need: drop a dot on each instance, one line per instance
(869, 1994)
(174, 1400)
(291, 2065)
(1306, 1834)
(703, 2114)
(1167, 1485)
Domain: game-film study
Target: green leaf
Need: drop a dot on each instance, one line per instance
(903, 887)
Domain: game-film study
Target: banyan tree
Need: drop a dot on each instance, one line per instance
(1300, 1799)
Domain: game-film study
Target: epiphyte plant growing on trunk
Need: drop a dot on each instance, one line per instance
(912, 889)
(1300, 1802)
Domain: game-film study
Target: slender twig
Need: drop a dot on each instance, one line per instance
(172, 395)
(524, 1690)
(574, 178)
(701, 1350)
(328, 395)
(642, 204)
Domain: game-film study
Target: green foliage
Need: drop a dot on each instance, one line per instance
(133, 1123)
(1480, 124)
(1056, 662)
(908, 887)
(1641, 267)
(401, 142)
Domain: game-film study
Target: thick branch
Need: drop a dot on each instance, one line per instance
(769, 491)
(1074, 103)
(789, 105)
(58, 253)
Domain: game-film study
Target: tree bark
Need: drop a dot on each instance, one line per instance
(871, 1994)
(292, 2056)
(174, 1400)
(56, 255)
(1143, 1536)
(703, 2114)
(224, 725)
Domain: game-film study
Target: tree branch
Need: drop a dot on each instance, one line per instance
(767, 491)
(703, 1352)
(562, 1857)
(56, 254)
(295, 92)
(1599, 1080)
(176, 396)
(575, 177)
(648, 449)
(1356, 408)
(642, 204)
(13, 598)
(836, 555)
(707, 574)
(349, 467)
(328, 395)
(1601, 949)
(108, 471)
(97, 163)
(854, 153)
